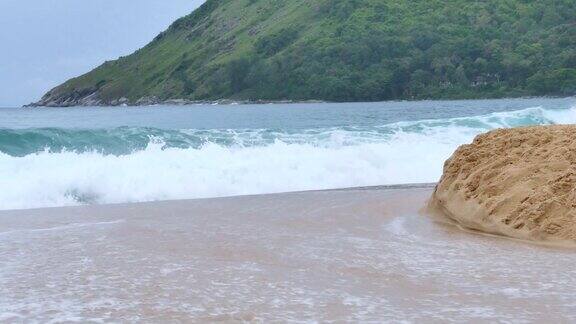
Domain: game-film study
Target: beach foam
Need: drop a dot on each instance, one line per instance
(59, 167)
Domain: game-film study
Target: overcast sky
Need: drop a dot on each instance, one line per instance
(46, 42)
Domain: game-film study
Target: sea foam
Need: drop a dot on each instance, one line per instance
(162, 165)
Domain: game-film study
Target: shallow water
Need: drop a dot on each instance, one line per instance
(346, 255)
(59, 157)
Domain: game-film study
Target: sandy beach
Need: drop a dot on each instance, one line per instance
(343, 255)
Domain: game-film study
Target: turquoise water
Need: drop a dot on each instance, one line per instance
(56, 157)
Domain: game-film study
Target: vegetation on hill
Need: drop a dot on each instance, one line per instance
(345, 50)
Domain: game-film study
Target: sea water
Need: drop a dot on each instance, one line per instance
(53, 157)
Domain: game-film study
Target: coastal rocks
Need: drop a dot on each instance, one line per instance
(147, 101)
(81, 97)
(123, 101)
(93, 99)
(519, 183)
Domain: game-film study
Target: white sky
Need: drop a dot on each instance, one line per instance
(45, 42)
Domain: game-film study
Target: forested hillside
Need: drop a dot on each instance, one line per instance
(344, 50)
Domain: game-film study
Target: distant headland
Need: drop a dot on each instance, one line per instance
(328, 50)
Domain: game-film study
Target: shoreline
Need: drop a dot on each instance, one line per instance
(363, 188)
(428, 209)
(232, 102)
(170, 102)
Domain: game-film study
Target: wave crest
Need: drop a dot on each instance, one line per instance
(57, 167)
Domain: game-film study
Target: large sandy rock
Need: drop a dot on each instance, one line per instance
(515, 182)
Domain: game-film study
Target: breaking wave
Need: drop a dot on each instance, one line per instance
(48, 167)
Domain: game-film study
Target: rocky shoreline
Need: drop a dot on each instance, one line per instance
(94, 100)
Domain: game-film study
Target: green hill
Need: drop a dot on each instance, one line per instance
(344, 50)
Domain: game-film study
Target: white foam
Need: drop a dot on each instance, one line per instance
(68, 178)
(60, 228)
(342, 159)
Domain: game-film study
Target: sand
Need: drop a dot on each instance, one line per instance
(354, 255)
(514, 182)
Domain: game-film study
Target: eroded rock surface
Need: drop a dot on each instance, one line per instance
(515, 182)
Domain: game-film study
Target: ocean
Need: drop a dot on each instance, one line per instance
(52, 157)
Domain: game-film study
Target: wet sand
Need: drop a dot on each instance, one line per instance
(345, 255)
